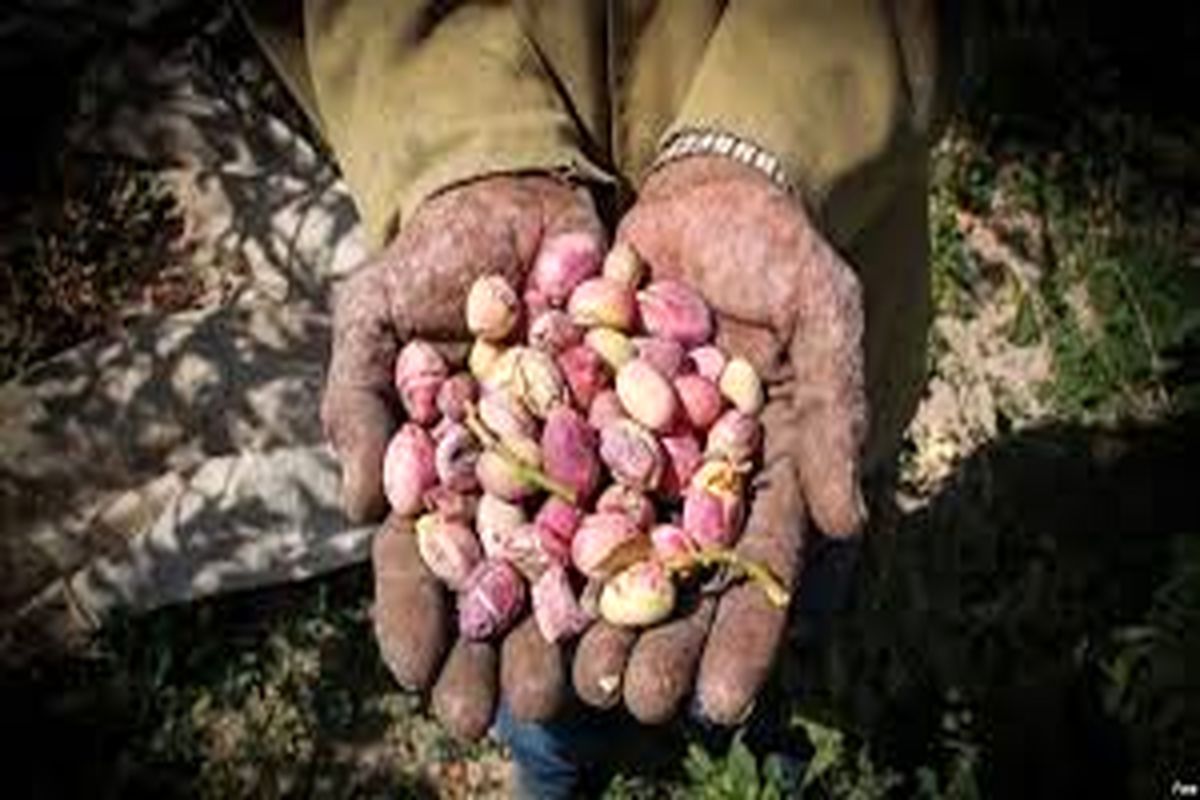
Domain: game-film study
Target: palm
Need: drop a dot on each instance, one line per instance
(418, 287)
(785, 300)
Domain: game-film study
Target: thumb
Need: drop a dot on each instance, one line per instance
(828, 399)
(357, 411)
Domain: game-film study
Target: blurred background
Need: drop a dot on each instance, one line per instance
(1030, 628)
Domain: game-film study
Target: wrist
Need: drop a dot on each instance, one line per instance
(717, 145)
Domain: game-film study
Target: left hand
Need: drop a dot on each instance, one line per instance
(784, 299)
(417, 287)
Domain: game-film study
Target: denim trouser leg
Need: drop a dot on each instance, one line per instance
(551, 756)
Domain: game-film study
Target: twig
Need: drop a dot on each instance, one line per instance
(758, 573)
(524, 470)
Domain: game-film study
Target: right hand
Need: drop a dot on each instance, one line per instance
(417, 286)
(785, 299)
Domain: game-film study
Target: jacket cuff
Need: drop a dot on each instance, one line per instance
(473, 161)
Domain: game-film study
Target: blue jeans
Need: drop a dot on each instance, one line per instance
(553, 757)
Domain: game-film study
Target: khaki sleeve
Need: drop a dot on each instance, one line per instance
(821, 84)
(417, 96)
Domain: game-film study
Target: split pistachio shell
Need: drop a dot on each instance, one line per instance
(713, 506)
(556, 608)
(448, 548)
(646, 395)
(525, 548)
(455, 458)
(499, 477)
(614, 347)
(552, 331)
(623, 265)
(671, 542)
(420, 371)
(562, 264)
(700, 400)
(585, 372)
(683, 458)
(538, 382)
(603, 302)
(510, 422)
(742, 387)
(452, 505)
(676, 311)
(569, 452)
(458, 392)
(483, 358)
(621, 499)
(709, 361)
(642, 594)
(605, 543)
(491, 600)
(558, 519)
(632, 454)
(409, 469)
(496, 518)
(493, 308)
(734, 437)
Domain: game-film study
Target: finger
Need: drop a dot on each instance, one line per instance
(533, 676)
(748, 629)
(829, 399)
(599, 664)
(663, 664)
(409, 612)
(464, 698)
(357, 410)
(571, 210)
(497, 227)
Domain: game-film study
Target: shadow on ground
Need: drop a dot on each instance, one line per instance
(259, 694)
(1040, 610)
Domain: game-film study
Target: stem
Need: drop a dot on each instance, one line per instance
(524, 470)
(756, 572)
(531, 474)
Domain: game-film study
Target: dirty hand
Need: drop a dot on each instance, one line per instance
(788, 302)
(417, 287)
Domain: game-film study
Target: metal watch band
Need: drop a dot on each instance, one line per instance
(702, 142)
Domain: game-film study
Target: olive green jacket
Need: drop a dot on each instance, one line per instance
(415, 96)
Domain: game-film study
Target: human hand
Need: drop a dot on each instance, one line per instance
(784, 299)
(418, 287)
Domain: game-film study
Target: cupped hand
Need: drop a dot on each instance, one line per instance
(417, 287)
(786, 300)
